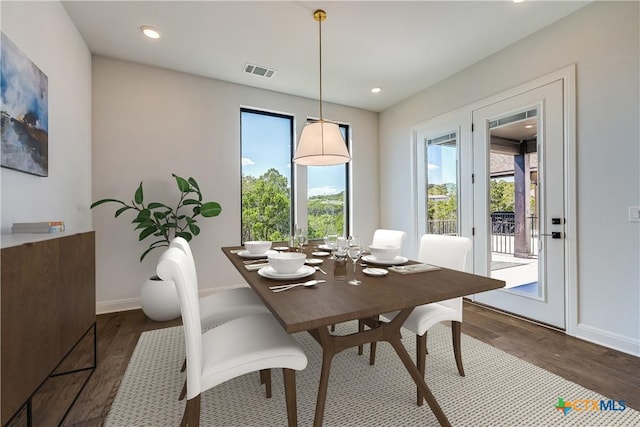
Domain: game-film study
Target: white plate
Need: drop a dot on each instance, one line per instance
(375, 271)
(270, 273)
(313, 261)
(320, 253)
(373, 260)
(281, 248)
(246, 254)
(325, 247)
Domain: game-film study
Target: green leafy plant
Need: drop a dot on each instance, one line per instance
(164, 222)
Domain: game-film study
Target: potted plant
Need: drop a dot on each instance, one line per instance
(160, 223)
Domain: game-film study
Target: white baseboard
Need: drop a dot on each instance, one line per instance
(608, 339)
(103, 307)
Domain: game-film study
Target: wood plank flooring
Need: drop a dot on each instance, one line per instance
(611, 373)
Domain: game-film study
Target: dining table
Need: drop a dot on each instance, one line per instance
(316, 309)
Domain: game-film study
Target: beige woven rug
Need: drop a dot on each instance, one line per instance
(498, 390)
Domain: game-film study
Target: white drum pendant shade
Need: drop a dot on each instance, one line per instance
(321, 144)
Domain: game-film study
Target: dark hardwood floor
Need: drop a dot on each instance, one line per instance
(611, 373)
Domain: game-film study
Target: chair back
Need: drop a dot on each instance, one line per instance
(452, 252)
(182, 244)
(388, 237)
(174, 266)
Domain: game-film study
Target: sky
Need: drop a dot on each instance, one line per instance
(442, 160)
(263, 148)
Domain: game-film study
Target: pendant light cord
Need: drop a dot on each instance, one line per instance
(320, 53)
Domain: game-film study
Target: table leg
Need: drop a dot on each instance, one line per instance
(393, 338)
(390, 332)
(322, 390)
(422, 385)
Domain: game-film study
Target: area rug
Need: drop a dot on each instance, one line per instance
(498, 390)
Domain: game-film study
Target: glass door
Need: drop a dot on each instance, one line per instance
(519, 203)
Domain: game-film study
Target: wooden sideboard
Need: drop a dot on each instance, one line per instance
(47, 306)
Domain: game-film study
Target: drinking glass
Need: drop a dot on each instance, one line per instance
(330, 240)
(354, 251)
(340, 259)
(303, 238)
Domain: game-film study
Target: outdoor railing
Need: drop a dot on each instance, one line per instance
(443, 226)
(503, 229)
(503, 232)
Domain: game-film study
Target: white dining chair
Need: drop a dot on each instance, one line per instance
(452, 252)
(251, 343)
(223, 305)
(383, 237)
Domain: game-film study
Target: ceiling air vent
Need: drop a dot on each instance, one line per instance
(259, 70)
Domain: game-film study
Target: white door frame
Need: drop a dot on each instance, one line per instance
(568, 77)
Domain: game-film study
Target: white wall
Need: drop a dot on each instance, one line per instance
(149, 122)
(46, 35)
(603, 40)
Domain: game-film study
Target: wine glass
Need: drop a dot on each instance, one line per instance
(354, 251)
(303, 238)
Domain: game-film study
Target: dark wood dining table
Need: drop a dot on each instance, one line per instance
(316, 309)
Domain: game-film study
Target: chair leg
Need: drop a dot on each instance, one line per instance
(421, 356)
(184, 365)
(372, 354)
(191, 415)
(360, 329)
(290, 395)
(183, 393)
(372, 350)
(333, 327)
(265, 378)
(456, 331)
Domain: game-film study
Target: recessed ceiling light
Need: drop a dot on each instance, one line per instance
(518, 1)
(150, 32)
(528, 126)
(376, 90)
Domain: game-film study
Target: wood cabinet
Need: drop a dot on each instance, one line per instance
(47, 306)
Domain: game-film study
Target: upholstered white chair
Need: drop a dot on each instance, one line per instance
(382, 237)
(251, 343)
(388, 237)
(222, 305)
(452, 252)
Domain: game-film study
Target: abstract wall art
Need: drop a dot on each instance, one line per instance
(24, 112)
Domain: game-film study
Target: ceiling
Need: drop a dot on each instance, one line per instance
(401, 47)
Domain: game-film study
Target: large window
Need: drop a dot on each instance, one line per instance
(442, 184)
(267, 178)
(327, 197)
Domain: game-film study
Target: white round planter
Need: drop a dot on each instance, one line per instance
(159, 300)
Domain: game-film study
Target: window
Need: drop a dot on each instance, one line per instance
(327, 197)
(442, 184)
(267, 179)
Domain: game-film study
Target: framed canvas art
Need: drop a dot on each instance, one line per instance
(24, 112)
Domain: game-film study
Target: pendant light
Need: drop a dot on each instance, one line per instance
(321, 142)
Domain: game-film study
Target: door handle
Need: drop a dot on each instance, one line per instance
(554, 235)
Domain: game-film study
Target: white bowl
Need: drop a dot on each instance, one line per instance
(257, 247)
(384, 252)
(287, 262)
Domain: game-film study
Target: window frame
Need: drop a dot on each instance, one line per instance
(292, 174)
(347, 181)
